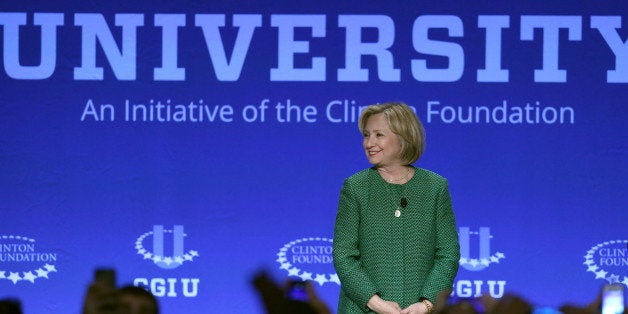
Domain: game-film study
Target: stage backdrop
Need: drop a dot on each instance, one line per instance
(191, 144)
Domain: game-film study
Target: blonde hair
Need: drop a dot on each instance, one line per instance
(404, 123)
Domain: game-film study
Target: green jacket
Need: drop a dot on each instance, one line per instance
(402, 259)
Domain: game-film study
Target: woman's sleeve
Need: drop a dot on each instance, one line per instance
(447, 248)
(353, 278)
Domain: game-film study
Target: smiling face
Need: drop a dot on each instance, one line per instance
(382, 146)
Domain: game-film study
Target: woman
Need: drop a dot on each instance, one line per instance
(395, 240)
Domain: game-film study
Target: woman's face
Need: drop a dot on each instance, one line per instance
(381, 145)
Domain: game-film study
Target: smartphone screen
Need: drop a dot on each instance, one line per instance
(613, 299)
(297, 291)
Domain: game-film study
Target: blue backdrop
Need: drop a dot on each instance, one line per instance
(189, 145)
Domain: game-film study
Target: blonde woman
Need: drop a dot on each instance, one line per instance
(395, 240)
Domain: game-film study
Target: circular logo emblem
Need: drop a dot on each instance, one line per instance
(22, 261)
(157, 255)
(609, 261)
(309, 259)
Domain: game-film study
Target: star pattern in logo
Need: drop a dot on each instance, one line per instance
(168, 260)
(29, 275)
(600, 273)
(474, 262)
(15, 277)
(320, 278)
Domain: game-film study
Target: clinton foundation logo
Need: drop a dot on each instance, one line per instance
(475, 257)
(22, 260)
(609, 261)
(167, 251)
(309, 259)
